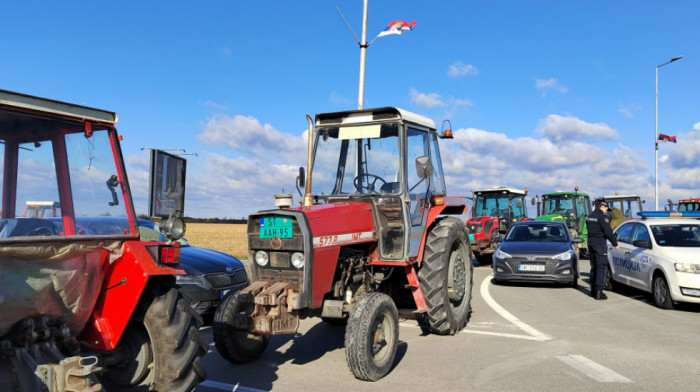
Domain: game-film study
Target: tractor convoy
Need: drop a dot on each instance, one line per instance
(572, 208)
(83, 308)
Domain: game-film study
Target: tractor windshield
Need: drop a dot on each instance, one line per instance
(356, 160)
(689, 206)
(629, 207)
(492, 205)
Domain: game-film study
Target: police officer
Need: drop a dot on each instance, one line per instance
(599, 230)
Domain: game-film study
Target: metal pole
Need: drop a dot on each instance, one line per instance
(656, 136)
(363, 56)
(656, 145)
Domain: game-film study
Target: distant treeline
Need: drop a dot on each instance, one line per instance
(204, 220)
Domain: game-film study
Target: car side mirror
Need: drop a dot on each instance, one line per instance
(424, 168)
(577, 240)
(641, 244)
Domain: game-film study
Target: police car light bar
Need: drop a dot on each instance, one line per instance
(668, 214)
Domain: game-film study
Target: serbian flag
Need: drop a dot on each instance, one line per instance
(397, 27)
(666, 138)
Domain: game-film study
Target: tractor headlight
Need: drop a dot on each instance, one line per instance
(298, 260)
(262, 258)
(566, 256)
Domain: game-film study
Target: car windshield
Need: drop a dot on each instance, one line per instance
(353, 160)
(678, 235)
(537, 233)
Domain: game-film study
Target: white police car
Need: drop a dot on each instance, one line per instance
(660, 254)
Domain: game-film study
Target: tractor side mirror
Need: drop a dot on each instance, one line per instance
(424, 168)
(533, 201)
(301, 178)
(519, 203)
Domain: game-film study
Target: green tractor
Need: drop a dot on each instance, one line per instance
(571, 208)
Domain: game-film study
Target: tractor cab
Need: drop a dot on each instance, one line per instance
(388, 158)
(689, 204)
(630, 205)
(572, 208)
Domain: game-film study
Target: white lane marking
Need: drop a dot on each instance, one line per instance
(228, 387)
(534, 334)
(592, 369)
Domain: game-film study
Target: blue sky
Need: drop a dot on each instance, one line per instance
(541, 94)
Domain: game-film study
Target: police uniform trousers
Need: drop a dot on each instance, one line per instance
(598, 255)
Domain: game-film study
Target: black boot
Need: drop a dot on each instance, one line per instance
(593, 292)
(600, 295)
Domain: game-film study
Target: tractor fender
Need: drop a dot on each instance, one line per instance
(125, 280)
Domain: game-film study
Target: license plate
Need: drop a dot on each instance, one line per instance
(471, 237)
(276, 226)
(531, 267)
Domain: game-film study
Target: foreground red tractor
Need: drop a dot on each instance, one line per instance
(493, 212)
(84, 305)
(369, 237)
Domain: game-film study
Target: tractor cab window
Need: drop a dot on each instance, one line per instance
(77, 202)
(583, 207)
(519, 207)
(357, 160)
(492, 205)
(437, 184)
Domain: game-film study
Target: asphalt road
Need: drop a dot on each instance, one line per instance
(520, 338)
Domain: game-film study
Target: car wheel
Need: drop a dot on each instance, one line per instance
(610, 284)
(661, 293)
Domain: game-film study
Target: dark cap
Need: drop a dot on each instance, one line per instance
(601, 202)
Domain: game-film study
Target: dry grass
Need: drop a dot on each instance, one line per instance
(224, 237)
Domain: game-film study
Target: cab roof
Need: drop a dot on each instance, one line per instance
(501, 190)
(24, 101)
(565, 193)
(616, 197)
(372, 115)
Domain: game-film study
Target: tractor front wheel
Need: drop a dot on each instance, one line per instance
(372, 336)
(236, 345)
(445, 278)
(162, 351)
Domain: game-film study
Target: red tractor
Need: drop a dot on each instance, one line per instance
(493, 211)
(369, 237)
(84, 304)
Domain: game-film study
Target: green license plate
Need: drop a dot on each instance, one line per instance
(280, 226)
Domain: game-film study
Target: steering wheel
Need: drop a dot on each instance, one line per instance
(41, 231)
(370, 184)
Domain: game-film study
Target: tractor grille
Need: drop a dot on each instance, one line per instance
(222, 280)
(549, 265)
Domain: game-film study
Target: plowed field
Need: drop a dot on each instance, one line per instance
(224, 237)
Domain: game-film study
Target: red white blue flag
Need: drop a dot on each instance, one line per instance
(397, 27)
(667, 138)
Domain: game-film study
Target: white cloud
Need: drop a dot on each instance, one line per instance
(426, 100)
(559, 128)
(550, 84)
(629, 110)
(339, 100)
(246, 135)
(459, 69)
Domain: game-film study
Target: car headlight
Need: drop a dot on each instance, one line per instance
(190, 280)
(262, 258)
(566, 256)
(499, 254)
(298, 260)
(687, 267)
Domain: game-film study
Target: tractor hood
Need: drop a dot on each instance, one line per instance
(340, 218)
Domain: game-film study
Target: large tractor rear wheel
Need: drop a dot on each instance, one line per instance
(236, 345)
(445, 278)
(372, 337)
(161, 349)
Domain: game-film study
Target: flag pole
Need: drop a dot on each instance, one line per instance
(363, 58)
